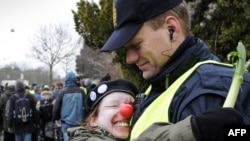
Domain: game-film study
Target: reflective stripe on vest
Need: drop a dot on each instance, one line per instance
(157, 111)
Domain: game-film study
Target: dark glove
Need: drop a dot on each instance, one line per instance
(209, 126)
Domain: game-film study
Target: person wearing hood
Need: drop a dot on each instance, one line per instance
(69, 104)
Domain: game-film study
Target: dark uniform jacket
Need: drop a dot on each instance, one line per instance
(207, 88)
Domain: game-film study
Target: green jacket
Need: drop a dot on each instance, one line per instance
(83, 134)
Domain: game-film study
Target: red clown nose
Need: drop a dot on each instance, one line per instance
(126, 110)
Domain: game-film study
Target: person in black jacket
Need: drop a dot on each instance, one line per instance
(22, 127)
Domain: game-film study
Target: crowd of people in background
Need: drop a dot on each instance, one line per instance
(46, 102)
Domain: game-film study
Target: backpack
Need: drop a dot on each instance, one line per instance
(22, 111)
(46, 109)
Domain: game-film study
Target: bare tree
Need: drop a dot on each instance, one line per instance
(52, 44)
(67, 63)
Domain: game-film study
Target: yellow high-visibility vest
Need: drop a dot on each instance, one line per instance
(157, 111)
(32, 92)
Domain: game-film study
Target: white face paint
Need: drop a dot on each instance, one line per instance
(109, 117)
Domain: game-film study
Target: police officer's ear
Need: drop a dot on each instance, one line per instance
(171, 33)
(172, 25)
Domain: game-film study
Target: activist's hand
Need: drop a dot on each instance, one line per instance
(209, 126)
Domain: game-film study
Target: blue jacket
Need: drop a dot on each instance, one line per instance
(69, 105)
(38, 96)
(207, 88)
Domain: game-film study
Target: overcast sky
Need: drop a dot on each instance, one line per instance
(25, 17)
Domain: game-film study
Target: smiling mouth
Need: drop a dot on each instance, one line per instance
(122, 124)
(140, 66)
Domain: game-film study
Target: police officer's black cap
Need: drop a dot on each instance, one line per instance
(131, 14)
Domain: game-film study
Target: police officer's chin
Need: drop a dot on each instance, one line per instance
(147, 75)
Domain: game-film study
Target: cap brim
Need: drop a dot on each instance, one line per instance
(120, 37)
